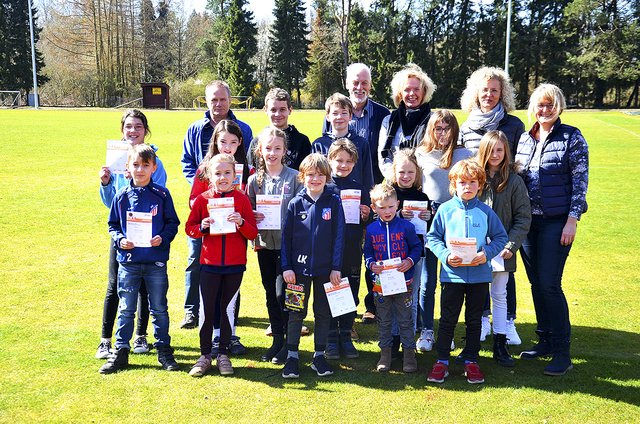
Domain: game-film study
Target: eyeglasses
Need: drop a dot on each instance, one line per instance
(442, 129)
(544, 106)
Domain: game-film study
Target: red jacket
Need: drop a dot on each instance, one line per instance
(225, 249)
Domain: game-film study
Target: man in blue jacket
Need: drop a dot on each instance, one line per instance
(196, 143)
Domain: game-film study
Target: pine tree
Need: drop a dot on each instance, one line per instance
(15, 47)
(238, 49)
(289, 46)
(325, 71)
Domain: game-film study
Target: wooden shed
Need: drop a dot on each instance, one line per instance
(155, 95)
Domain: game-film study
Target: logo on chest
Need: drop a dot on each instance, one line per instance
(326, 214)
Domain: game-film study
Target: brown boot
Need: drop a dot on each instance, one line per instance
(409, 361)
(384, 364)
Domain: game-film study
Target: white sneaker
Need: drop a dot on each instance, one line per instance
(486, 329)
(453, 345)
(425, 341)
(512, 334)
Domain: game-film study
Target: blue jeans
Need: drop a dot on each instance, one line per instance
(418, 272)
(428, 289)
(192, 277)
(544, 259)
(130, 277)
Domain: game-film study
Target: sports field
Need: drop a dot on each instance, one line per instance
(53, 269)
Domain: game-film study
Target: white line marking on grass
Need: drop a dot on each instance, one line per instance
(633, 133)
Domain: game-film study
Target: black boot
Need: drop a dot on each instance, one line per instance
(561, 360)
(276, 345)
(500, 351)
(166, 359)
(117, 360)
(540, 349)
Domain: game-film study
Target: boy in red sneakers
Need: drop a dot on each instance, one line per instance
(465, 235)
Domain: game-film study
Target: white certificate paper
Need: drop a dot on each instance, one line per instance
(269, 206)
(237, 181)
(219, 210)
(497, 264)
(340, 298)
(117, 151)
(417, 206)
(139, 228)
(463, 247)
(351, 205)
(391, 280)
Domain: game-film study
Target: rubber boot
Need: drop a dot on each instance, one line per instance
(384, 364)
(540, 349)
(281, 356)
(346, 345)
(500, 351)
(409, 362)
(331, 350)
(117, 360)
(561, 359)
(166, 359)
(276, 344)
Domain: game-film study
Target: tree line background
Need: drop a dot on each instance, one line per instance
(96, 52)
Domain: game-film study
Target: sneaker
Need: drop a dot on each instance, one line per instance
(291, 368)
(354, 335)
(268, 331)
(235, 347)
(304, 331)
(425, 341)
(473, 373)
(166, 358)
(320, 366)
(368, 318)
(190, 321)
(104, 348)
(438, 373)
(485, 330)
(224, 365)
(201, 367)
(512, 334)
(331, 351)
(215, 346)
(118, 360)
(140, 345)
(453, 344)
(460, 359)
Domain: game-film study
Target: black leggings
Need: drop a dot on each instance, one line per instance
(273, 283)
(218, 292)
(110, 308)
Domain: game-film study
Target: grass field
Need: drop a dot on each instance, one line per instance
(53, 268)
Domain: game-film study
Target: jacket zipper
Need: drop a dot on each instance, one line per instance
(224, 242)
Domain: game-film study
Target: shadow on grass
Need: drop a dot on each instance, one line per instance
(606, 365)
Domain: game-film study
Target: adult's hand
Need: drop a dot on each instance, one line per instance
(569, 231)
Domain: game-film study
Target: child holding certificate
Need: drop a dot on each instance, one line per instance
(223, 258)
(343, 155)
(506, 193)
(312, 247)
(270, 189)
(226, 138)
(459, 238)
(134, 128)
(406, 179)
(391, 249)
(142, 224)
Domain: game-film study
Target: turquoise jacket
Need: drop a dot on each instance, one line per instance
(458, 218)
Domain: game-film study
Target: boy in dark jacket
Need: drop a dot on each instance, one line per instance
(312, 246)
(391, 237)
(136, 209)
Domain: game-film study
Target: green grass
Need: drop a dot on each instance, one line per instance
(53, 267)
